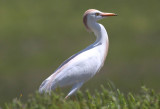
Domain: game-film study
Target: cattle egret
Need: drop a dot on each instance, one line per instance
(82, 66)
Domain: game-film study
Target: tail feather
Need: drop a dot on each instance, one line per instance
(47, 85)
(44, 87)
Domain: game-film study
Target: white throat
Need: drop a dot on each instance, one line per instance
(99, 31)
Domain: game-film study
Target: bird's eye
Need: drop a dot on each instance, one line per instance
(97, 14)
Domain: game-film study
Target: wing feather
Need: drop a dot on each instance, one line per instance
(51, 82)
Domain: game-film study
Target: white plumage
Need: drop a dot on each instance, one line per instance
(85, 64)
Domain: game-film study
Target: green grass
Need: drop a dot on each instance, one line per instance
(105, 99)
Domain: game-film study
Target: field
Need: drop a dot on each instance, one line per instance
(37, 36)
(103, 99)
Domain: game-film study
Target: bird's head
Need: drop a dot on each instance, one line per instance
(94, 15)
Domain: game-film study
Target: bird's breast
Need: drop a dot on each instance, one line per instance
(103, 51)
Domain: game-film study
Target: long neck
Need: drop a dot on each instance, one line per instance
(99, 31)
(102, 38)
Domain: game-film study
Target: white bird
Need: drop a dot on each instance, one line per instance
(82, 66)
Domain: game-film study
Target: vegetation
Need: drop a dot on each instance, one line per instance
(106, 99)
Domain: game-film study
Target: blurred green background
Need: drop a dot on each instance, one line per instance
(36, 36)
